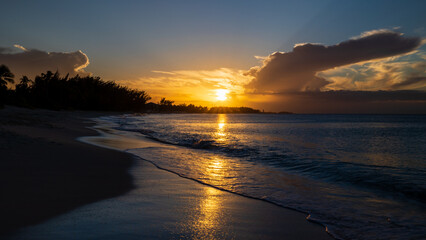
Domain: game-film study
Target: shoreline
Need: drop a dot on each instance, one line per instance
(234, 208)
(108, 138)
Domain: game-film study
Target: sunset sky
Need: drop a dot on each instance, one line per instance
(300, 56)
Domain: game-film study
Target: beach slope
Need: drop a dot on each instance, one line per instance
(45, 171)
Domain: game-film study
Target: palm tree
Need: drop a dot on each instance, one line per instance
(5, 76)
(25, 81)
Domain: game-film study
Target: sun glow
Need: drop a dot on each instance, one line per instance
(221, 94)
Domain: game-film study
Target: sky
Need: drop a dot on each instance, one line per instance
(299, 56)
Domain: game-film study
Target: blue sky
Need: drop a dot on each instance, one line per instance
(127, 40)
(173, 35)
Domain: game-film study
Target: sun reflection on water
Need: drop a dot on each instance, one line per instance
(215, 170)
(221, 133)
(209, 218)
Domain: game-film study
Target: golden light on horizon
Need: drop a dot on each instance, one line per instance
(210, 88)
(221, 94)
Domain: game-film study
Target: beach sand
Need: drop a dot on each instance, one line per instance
(56, 184)
(45, 172)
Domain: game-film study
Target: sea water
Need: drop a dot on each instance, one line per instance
(361, 176)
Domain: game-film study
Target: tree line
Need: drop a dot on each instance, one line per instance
(51, 91)
(167, 106)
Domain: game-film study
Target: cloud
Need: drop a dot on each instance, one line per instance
(374, 32)
(5, 50)
(298, 70)
(403, 73)
(195, 86)
(366, 96)
(20, 47)
(31, 62)
(218, 78)
(410, 82)
(377, 102)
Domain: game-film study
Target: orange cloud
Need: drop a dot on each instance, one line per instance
(194, 86)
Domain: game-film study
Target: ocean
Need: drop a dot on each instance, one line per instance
(361, 176)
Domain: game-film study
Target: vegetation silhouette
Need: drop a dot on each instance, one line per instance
(167, 106)
(51, 91)
(6, 76)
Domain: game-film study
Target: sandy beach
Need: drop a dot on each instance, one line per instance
(46, 172)
(55, 187)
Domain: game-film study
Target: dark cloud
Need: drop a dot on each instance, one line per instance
(377, 102)
(297, 70)
(5, 50)
(365, 96)
(412, 81)
(32, 62)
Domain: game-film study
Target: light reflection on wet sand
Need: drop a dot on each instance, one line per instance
(208, 215)
(207, 218)
(198, 211)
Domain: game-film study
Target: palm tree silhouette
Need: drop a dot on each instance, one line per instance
(25, 81)
(6, 76)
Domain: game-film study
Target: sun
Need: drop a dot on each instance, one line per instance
(221, 94)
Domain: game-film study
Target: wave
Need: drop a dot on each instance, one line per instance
(293, 169)
(407, 182)
(193, 141)
(290, 191)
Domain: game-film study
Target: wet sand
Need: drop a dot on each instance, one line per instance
(161, 205)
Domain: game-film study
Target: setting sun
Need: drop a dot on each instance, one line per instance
(221, 94)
